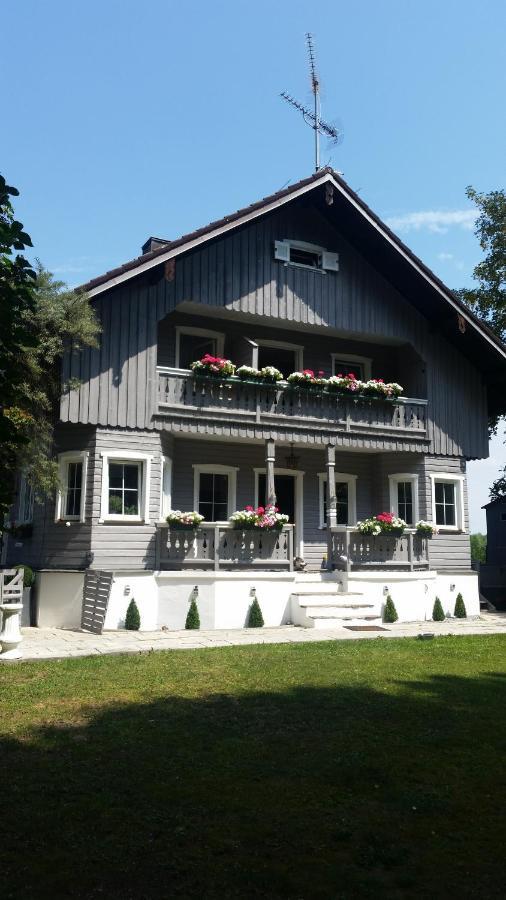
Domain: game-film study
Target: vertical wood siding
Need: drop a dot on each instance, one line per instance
(238, 274)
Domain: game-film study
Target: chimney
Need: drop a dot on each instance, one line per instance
(153, 243)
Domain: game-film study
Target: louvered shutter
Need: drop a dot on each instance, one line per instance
(330, 261)
(282, 251)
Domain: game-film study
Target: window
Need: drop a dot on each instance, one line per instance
(308, 256)
(503, 517)
(166, 495)
(448, 501)
(215, 491)
(124, 488)
(25, 505)
(70, 501)
(285, 357)
(344, 364)
(404, 497)
(194, 343)
(346, 503)
(126, 477)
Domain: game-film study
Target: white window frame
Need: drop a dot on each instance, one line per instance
(458, 481)
(352, 358)
(329, 259)
(71, 456)
(351, 481)
(199, 332)
(299, 501)
(215, 469)
(127, 456)
(165, 487)
(393, 482)
(23, 487)
(298, 350)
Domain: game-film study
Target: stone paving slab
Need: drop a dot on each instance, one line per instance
(56, 643)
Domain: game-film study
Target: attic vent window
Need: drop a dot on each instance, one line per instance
(308, 256)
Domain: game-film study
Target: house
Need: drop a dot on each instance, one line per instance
(308, 278)
(493, 571)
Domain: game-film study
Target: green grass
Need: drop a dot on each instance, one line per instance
(332, 770)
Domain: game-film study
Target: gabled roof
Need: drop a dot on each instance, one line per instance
(384, 250)
(493, 502)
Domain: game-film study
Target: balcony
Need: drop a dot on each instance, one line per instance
(352, 550)
(283, 406)
(216, 546)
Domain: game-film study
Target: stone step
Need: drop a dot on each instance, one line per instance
(336, 608)
(310, 592)
(340, 621)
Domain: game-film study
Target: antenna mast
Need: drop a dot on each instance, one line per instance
(314, 119)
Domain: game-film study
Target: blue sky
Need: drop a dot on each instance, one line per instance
(126, 119)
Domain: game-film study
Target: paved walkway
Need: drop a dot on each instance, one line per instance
(56, 643)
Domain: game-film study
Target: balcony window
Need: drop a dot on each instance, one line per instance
(214, 491)
(346, 490)
(194, 343)
(359, 366)
(283, 356)
(404, 496)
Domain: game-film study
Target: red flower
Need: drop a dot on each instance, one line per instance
(260, 511)
(351, 376)
(248, 509)
(321, 374)
(385, 517)
(308, 372)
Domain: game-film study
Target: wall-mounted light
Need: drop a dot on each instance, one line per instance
(126, 590)
(253, 592)
(386, 590)
(452, 587)
(195, 592)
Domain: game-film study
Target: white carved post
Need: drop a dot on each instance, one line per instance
(10, 636)
(270, 459)
(331, 499)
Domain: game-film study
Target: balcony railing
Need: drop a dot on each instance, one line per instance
(245, 402)
(352, 550)
(215, 546)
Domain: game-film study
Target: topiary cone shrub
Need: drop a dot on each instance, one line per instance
(193, 618)
(255, 617)
(390, 612)
(460, 611)
(438, 614)
(133, 617)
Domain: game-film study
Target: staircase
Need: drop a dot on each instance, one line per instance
(320, 601)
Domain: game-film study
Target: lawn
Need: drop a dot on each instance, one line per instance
(332, 770)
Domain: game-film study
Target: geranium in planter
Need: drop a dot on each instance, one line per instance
(426, 528)
(384, 523)
(213, 366)
(267, 375)
(376, 387)
(307, 379)
(184, 520)
(344, 384)
(266, 518)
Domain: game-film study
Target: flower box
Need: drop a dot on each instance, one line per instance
(264, 518)
(384, 523)
(213, 366)
(184, 521)
(267, 375)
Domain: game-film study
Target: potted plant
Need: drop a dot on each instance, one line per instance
(426, 528)
(266, 518)
(383, 523)
(267, 375)
(183, 521)
(308, 379)
(213, 367)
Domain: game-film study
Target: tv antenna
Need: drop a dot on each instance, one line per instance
(314, 119)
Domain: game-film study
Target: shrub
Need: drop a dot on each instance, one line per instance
(390, 612)
(193, 618)
(255, 617)
(28, 576)
(133, 617)
(438, 614)
(460, 608)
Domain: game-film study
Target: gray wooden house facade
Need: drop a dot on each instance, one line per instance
(307, 278)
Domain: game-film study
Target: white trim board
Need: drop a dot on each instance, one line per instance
(215, 468)
(64, 459)
(458, 481)
(145, 460)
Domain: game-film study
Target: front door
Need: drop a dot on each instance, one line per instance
(285, 493)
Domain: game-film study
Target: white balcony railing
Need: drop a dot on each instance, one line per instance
(219, 546)
(352, 550)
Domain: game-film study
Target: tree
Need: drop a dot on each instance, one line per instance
(498, 489)
(16, 300)
(40, 320)
(479, 547)
(193, 619)
(255, 617)
(390, 612)
(438, 614)
(488, 300)
(460, 611)
(133, 617)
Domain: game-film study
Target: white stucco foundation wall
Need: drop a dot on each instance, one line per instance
(59, 599)
(414, 593)
(127, 586)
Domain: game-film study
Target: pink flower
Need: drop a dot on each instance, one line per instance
(260, 510)
(308, 372)
(248, 509)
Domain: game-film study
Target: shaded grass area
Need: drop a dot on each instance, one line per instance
(332, 770)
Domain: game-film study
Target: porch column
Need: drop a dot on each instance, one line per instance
(331, 500)
(270, 458)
